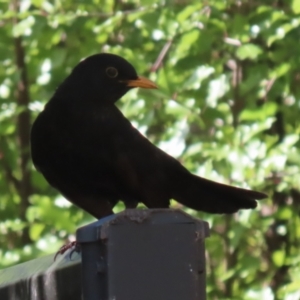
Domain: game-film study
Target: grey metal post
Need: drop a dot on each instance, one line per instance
(154, 254)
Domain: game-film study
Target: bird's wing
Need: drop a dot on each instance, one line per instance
(141, 169)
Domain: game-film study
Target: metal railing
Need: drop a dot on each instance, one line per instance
(155, 254)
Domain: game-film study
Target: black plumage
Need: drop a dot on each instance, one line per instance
(87, 149)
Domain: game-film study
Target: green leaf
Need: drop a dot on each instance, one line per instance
(296, 6)
(36, 230)
(267, 110)
(278, 257)
(248, 51)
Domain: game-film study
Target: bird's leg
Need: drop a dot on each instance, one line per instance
(99, 209)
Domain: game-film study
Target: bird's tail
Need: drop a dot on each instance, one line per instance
(212, 197)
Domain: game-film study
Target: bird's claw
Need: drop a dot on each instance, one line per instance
(66, 247)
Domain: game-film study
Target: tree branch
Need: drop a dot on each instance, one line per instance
(23, 124)
(161, 56)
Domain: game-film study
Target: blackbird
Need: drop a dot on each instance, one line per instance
(88, 150)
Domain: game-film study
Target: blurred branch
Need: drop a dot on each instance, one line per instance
(230, 258)
(161, 56)
(237, 76)
(11, 179)
(276, 241)
(268, 87)
(23, 124)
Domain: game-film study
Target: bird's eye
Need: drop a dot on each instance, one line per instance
(112, 72)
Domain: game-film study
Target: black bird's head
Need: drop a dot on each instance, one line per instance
(102, 77)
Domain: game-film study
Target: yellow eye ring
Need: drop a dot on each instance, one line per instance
(111, 72)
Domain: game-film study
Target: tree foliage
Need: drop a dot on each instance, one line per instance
(227, 107)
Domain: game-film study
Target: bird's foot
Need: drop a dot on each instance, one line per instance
(66, 247)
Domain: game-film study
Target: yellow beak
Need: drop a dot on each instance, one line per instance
(142, 82)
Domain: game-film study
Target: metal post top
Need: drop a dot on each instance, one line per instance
(98, 230)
